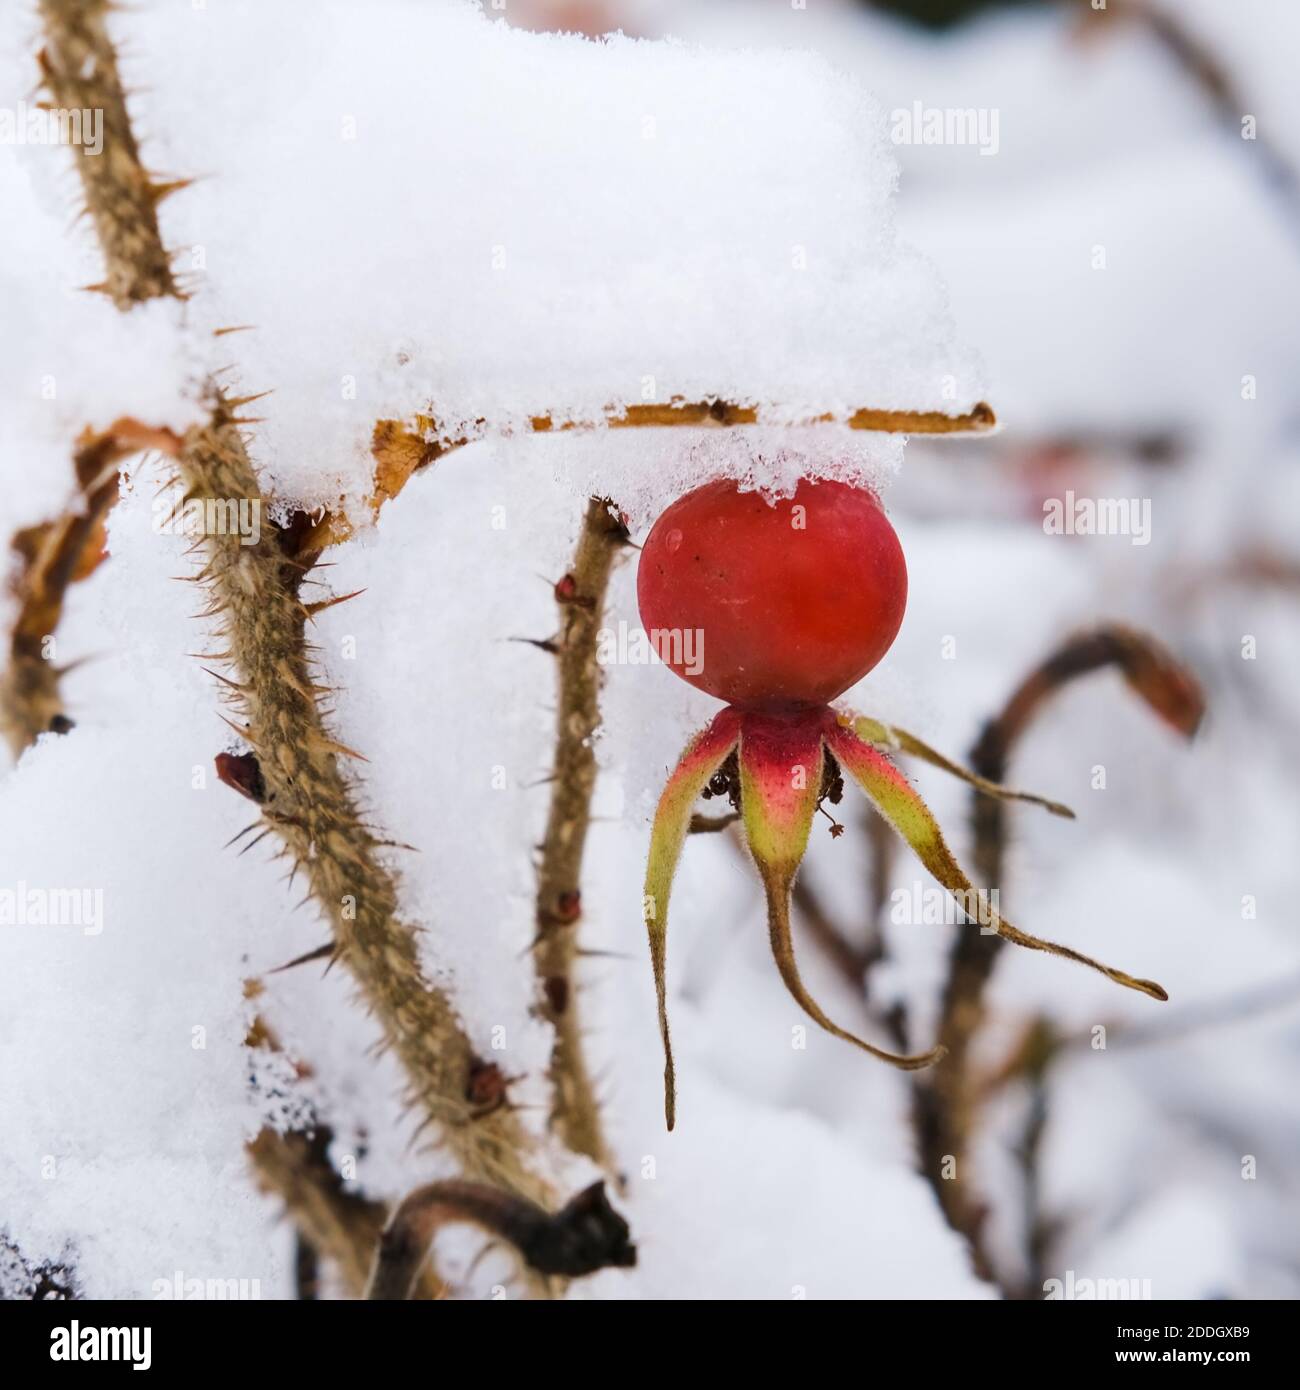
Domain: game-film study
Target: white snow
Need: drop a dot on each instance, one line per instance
(489, 224)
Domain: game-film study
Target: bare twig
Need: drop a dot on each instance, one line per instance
(1242, 1006)
(306, 1269)
(343, 1226)
(1039, 1229)
(580, 594)
(945, 1105)
(587, 1234)
(1204, 68)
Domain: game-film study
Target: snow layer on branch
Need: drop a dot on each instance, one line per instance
(645, 470)
(442, 213)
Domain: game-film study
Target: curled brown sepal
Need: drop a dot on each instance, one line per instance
(585, 1235)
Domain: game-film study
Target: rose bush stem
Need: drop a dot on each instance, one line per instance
(575, 1112)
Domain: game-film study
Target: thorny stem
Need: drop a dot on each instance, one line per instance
(309, 803)
(945, 1106)
(575, 1113)
(254, 591)
(80, 69)
(587, 1234)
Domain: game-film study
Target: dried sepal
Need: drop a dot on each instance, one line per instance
(703, 757)
(901, 805)
(781, 766)
(886, 737)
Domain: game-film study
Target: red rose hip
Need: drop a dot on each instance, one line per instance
(777, 610)
(773, 606)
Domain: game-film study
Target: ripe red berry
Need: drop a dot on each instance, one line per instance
(773, 606)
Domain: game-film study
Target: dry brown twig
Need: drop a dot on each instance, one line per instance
(329, 1219)
(946, 1103)
(401, 448)
(585, 1235)
(1206, 70)
(575, 1114)
(52, 557)
(343, 1226)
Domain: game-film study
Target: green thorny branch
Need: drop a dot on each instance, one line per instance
(294, 772)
